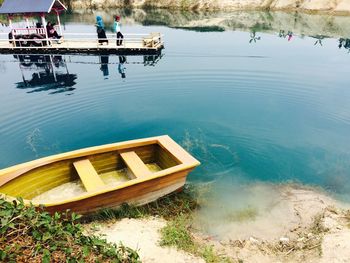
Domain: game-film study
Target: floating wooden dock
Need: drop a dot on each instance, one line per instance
(133, 44)
(37, 39)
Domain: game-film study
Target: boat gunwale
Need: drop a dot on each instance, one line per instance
(185, 160)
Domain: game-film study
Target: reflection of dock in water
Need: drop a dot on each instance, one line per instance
(48, 74)
(151, 60)
(146, 60)
(120, 61)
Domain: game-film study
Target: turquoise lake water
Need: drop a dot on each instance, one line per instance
(249, 106)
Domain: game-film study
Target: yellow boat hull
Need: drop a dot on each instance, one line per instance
(90, 168)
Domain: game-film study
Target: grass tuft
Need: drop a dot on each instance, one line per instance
(317, 226)
(168, 207)
(176, 234)
(210, 256)
(177, 209)
(347, 218)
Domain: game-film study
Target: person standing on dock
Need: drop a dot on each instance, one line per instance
(116, 28)
(101, 33)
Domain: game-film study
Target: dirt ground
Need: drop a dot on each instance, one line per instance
(298, 224)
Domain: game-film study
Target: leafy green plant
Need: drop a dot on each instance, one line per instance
(28, 235)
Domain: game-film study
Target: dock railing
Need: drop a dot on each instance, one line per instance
(28, 38)
(28, 31)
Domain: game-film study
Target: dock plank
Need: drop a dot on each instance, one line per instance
(76, 45)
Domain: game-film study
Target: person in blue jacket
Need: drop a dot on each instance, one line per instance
(101, 33)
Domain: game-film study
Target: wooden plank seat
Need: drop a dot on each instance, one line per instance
(135, 164)
(88, 175)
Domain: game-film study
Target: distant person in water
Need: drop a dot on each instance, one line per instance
(51, 32)
(101, 33)
(116, 28)
(121, 67)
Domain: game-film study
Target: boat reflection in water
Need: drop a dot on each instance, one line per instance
(50, 74)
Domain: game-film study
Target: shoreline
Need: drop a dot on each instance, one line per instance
(303, 224)
(339, 7)
(253, 21)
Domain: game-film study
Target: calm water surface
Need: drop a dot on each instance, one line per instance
(250, 106)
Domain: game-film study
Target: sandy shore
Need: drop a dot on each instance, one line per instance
(143, 235)
(298, 224)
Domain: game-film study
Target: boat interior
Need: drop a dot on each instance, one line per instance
(72, 177)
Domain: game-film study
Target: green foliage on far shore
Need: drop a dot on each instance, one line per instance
(28, 235)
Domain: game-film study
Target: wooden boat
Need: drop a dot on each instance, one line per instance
(134, 172)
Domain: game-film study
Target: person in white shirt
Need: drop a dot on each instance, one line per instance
(116, 28)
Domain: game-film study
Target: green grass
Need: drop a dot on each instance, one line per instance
(167, 207)
(29, 235)
(177, 209)
(177, 234)
(209, 254)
